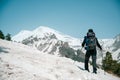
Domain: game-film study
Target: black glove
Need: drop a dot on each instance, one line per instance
(82, 45)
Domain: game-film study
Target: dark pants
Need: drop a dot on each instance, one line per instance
(87, 56)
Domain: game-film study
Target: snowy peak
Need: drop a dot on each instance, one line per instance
(116, 43)
(117, 38)
(39, 32)
(42, 32)
(43, 29)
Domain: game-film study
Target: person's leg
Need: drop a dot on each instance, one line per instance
(87, 56)
(94, 62)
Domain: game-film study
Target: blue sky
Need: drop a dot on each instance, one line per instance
(72, 17)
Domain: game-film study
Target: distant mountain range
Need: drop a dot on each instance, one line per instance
(54, 42)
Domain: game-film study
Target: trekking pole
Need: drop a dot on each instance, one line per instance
(102, 60)
(81, 49)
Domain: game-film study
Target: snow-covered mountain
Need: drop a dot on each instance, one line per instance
(51, 41)
(42, 32)
(113, 46)
(22, 62)
(116, 47)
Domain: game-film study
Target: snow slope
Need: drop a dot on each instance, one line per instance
(21, 62)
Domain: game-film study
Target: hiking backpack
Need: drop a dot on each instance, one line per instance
(90, 41)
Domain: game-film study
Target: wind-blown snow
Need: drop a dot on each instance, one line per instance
(21, 62)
